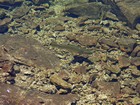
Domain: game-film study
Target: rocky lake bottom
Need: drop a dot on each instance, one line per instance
(52, 56)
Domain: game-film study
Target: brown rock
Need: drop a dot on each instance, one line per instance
(5, 21)
(20, 11)
(80, 70)
(127, 90)
(110, 42)
(75, 78)
(138, 27)
(57, 80)
(64, 74)
(87, 40)
(135, 72)
(6, 66)
(98, 56)
(130, 9)
(92, 77)
(27, 51)
(138, 88)
(105, 47)
(62, 91)
(135, 61)
(93, 9)
(12, 95)
(123, 61)
(59, 28)
(108, 88)
(126, 10)
(93, 27)
(126, 44)
(136, 51)
(112, 68)
(138, 54)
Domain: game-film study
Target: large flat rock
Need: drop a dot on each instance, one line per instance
(27, 51)
(13, 95)
(126, 10)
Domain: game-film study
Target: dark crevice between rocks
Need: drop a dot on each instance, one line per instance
(73, 103)
(38, 28)
(5, 6)
(68, 90)
(11, 81)
(127, 48)
(117, 74)
(113, 80)
(12, 75)
(135, 76)
(72, 15)
(81, 59)
(138, 67)
(10, 6)
(39, 9)
(3, 29)
(124, 68)
(137, 20)
(95, 0)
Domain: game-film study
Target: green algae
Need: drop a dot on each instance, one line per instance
(72, 48)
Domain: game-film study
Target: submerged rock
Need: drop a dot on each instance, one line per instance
(135, 61)
(126, 44)
(20, 11)
(123, 61)
(55, 79)
(108, 88)
(130, 9)
(27, 51)
(12, 95)
(138, 88)
(136, 51)
(93, 10)
(4, 24)
(126, 10)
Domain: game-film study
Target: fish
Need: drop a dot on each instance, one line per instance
(72, 48)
